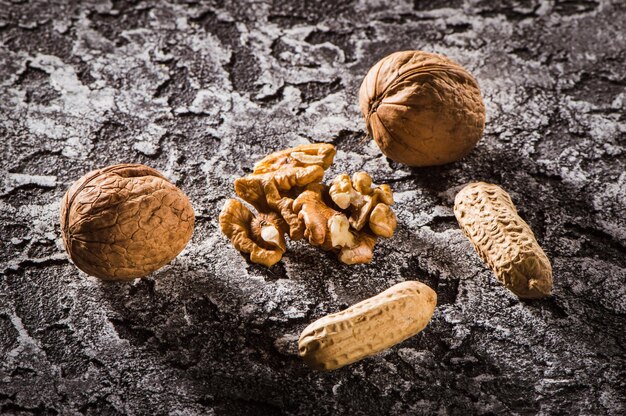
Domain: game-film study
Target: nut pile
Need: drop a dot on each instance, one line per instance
(422, 109)
(286, 190)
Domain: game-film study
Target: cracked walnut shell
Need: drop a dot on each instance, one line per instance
(422, 109)
(124, 221)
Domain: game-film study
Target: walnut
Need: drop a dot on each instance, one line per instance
(330, 229)
(270, 186)
(285, 189)
(362, 252)
(367, 204)
(382, 220)
(325, 227)
(261, 236)
(124, 221)
(354, 237)
(422, 109)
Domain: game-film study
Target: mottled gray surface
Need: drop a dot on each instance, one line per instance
(200, 91)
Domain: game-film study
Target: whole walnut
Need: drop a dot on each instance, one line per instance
(422, 109)
(124, 221)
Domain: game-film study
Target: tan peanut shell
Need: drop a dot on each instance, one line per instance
(503, 240)
(124, 221)
(368, 327)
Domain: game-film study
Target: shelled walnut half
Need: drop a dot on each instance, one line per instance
(262, 236)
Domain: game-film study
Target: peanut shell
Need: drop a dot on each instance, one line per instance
(368, 327)
(503, 240)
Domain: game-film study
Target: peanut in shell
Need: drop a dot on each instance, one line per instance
(368, 327)
(503, 240)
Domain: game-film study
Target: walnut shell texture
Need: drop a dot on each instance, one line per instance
(125, 221)
(503, 240)
(422, 109)
(368, 327)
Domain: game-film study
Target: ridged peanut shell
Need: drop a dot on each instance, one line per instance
(124, 221)
(368, 327)
(503, 240)
(422, 109)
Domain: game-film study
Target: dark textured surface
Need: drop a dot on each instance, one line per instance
(201, 90)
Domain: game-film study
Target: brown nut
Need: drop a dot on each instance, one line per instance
(367, 204)
(368, 327)
(287, 184)
(361, 252)
(124, 221)
(262, 236)
(324, 227)
(342, 193)
(330, 229)
(383, 221)
(422, 109)
(269, 186)
(503, 240)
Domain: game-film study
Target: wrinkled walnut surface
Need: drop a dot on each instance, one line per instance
(124, 221)
(422, 109)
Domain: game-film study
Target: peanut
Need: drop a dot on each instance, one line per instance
(368, 327)
(503, 240)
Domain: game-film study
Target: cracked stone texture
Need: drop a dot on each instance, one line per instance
(200, 90)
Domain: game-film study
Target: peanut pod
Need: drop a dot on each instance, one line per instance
(503, 240)
(368, 327)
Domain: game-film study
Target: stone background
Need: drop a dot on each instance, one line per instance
(200, 90)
